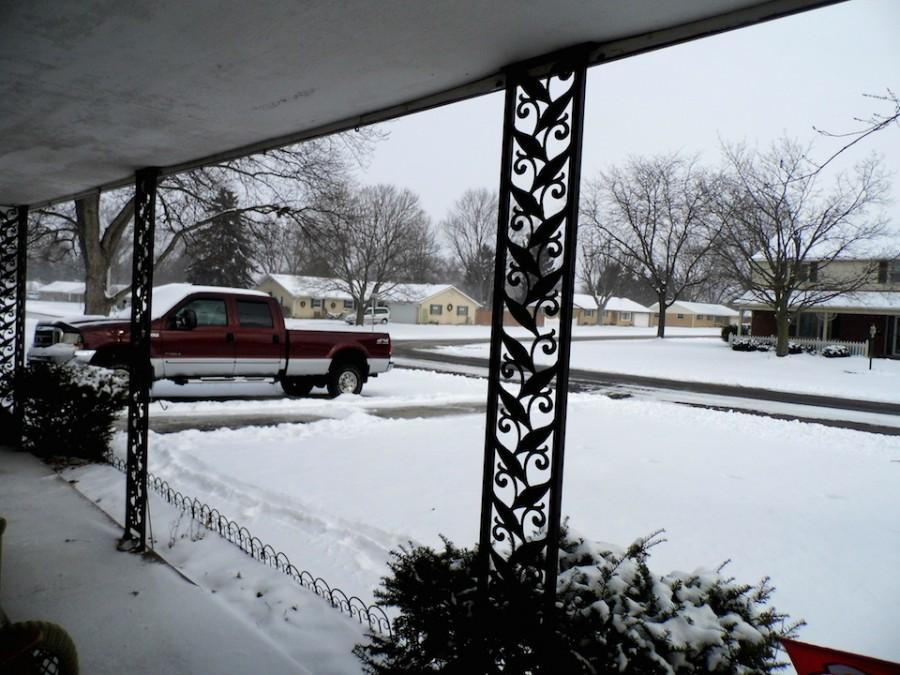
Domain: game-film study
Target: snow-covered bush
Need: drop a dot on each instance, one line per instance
(743, 344)
(613, 615)
(69, 410)
(835, 351)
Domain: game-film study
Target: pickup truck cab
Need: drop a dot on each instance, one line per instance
(210, 332)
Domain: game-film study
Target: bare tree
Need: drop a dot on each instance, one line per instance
(655, 211)
(599, 268)
(875, 122)
(471, 229)
(371, 235)
(281, 188)
(781, 231)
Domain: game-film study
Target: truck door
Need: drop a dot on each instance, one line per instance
(205, 350)
(259, 339)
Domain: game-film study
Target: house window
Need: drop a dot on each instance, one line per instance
(626, 316)
(316, 303)
(679, 316)
(348, 304)
(462, 310)
(589, 312)
(436, 309)
(889, 271)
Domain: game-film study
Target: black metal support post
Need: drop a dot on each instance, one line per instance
(13, 260)
(135, 536)
(533, 281)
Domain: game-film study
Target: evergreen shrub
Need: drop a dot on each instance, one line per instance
(613, 614)
(727, 331)
(835, 351)
(70, 410)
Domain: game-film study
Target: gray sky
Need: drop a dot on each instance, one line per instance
(751, 85)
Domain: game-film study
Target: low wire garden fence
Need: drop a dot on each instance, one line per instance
(372, 615)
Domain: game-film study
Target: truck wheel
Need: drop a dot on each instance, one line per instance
(296, 386)
(345, 378)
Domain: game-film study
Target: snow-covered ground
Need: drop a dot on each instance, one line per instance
(813, 507)
(408, 331)
(711, 360)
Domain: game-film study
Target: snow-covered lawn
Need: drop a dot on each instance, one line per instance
(711, 360)
(814, 507)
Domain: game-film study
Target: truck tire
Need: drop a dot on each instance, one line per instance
(297, 386)
(344, 378)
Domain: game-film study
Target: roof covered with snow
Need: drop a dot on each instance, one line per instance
(301, 286)
(615, 304)
(860, 301)
(63, 287)
(705, 308)
(326, 287)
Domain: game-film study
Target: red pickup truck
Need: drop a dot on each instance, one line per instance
(210, 332)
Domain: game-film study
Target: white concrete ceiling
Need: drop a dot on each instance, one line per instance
(91, 90)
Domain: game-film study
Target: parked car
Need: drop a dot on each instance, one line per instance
(203, 332)
(381, 315)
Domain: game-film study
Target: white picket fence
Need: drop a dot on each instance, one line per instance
(818, 344)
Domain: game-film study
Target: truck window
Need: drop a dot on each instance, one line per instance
(253, 314)
(209, 311)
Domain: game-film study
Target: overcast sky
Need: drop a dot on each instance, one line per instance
(753, 85)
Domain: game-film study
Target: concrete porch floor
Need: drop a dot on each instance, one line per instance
(126, 613)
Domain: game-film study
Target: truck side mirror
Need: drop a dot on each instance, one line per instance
(186, 319)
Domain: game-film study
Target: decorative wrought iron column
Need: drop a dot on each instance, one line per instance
(13, 245)
(135, 537)
(533, 280)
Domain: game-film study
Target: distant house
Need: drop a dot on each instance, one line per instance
(618, 312)
(430, 303)
(695, 315)
(62, 291)
(848, 316)
(307, 297)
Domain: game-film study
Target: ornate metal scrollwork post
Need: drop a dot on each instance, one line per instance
(534, 279)
(13, 260)
(135, 537)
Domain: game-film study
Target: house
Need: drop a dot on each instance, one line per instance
(695, 315)
(62, 291)
(430, 303)
(618, 312)
(307, 297)
(847, 316)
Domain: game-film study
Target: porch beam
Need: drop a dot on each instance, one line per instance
(13, 262)
(533, 278)
(141, 375)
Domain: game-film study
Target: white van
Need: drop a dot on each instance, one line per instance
(380, 315)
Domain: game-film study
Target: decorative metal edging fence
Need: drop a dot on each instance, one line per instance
(213, 520)
(808, 344)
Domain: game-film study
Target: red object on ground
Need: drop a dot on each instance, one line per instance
(814, 660)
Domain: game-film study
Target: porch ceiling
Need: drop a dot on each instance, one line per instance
(95, 89)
